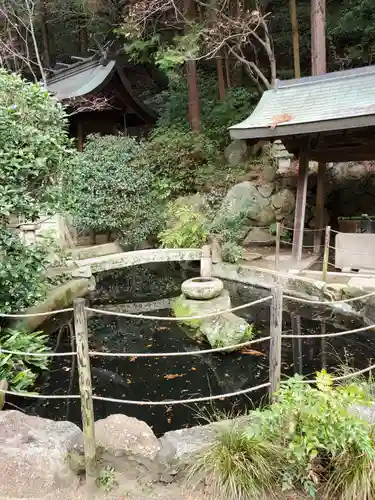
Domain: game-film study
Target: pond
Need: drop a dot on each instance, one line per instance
(161, 378)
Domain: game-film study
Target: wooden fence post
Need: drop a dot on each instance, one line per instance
(277, 250)
(326, 253)
(87, 407)
(206, 262)
(276, 325)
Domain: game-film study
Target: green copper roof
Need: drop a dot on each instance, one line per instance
(330, 102)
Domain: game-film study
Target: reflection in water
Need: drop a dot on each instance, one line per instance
(297, 343)
(188, 376)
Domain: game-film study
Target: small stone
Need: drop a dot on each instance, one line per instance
(120, 435)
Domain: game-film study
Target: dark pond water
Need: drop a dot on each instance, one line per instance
(183, 377)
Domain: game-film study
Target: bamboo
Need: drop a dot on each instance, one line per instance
(277, 251)
(326, 253)
(87, 407)
(275, 342)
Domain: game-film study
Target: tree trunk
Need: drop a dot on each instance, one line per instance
(220, 78)
(45, 34)
(294, 22)
(193, 96)
(191, 76)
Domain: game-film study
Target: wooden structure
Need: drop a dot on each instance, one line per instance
(325, 118)
(100, 98)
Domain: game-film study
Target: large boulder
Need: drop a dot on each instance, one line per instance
(34, 455)
(121, 436)
(246, 201)
(219, 331)
(236, 153)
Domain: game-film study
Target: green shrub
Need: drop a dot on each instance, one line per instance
(231, 252)
(22, 272)
(16, 369)
(188, 229)
(181, 161)
(105, 191)
(319, 445)
(35, 148)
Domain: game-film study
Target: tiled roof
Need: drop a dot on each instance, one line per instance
(334, 101)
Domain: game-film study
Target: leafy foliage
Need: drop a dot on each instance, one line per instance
(231, 252)
(188, 229)
(181, 161)
(22, 272)
(16, 369)
(317, 443)
(35, 148)
(106, 189)
(216, 116)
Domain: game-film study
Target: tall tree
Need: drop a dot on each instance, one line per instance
(295, 37)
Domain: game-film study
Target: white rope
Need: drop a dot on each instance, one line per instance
(49, 313)
(182, 401)
(41, 354)
(182, 318)
(139, 403)
(40, 396)
(337, 379)
(291, 243)
(171, 354)
(325, 302)
(325, 335)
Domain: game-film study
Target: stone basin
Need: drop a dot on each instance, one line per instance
(202, 288)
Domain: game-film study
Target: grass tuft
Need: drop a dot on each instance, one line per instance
(239, 465)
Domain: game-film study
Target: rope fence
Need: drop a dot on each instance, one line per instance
(84, 355)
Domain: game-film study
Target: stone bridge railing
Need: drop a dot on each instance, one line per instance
(93, 265)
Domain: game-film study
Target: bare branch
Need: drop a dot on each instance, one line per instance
(87, 104)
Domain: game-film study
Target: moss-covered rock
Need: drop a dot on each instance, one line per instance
(219, 331)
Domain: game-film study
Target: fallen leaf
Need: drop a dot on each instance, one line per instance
(133, 359)
(128, 381)
(252, 352)
(161, 328)
(149, 345)
(193, 369)
(171, 376)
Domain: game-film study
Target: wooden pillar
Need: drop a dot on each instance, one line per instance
(319, 208)
(276, 325)
(87, 407)
(299, 219)
(80, 135)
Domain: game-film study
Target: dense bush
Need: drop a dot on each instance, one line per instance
(181, 161)
(35, 148)
(22, 272)
(106, 190)
(309, 439)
